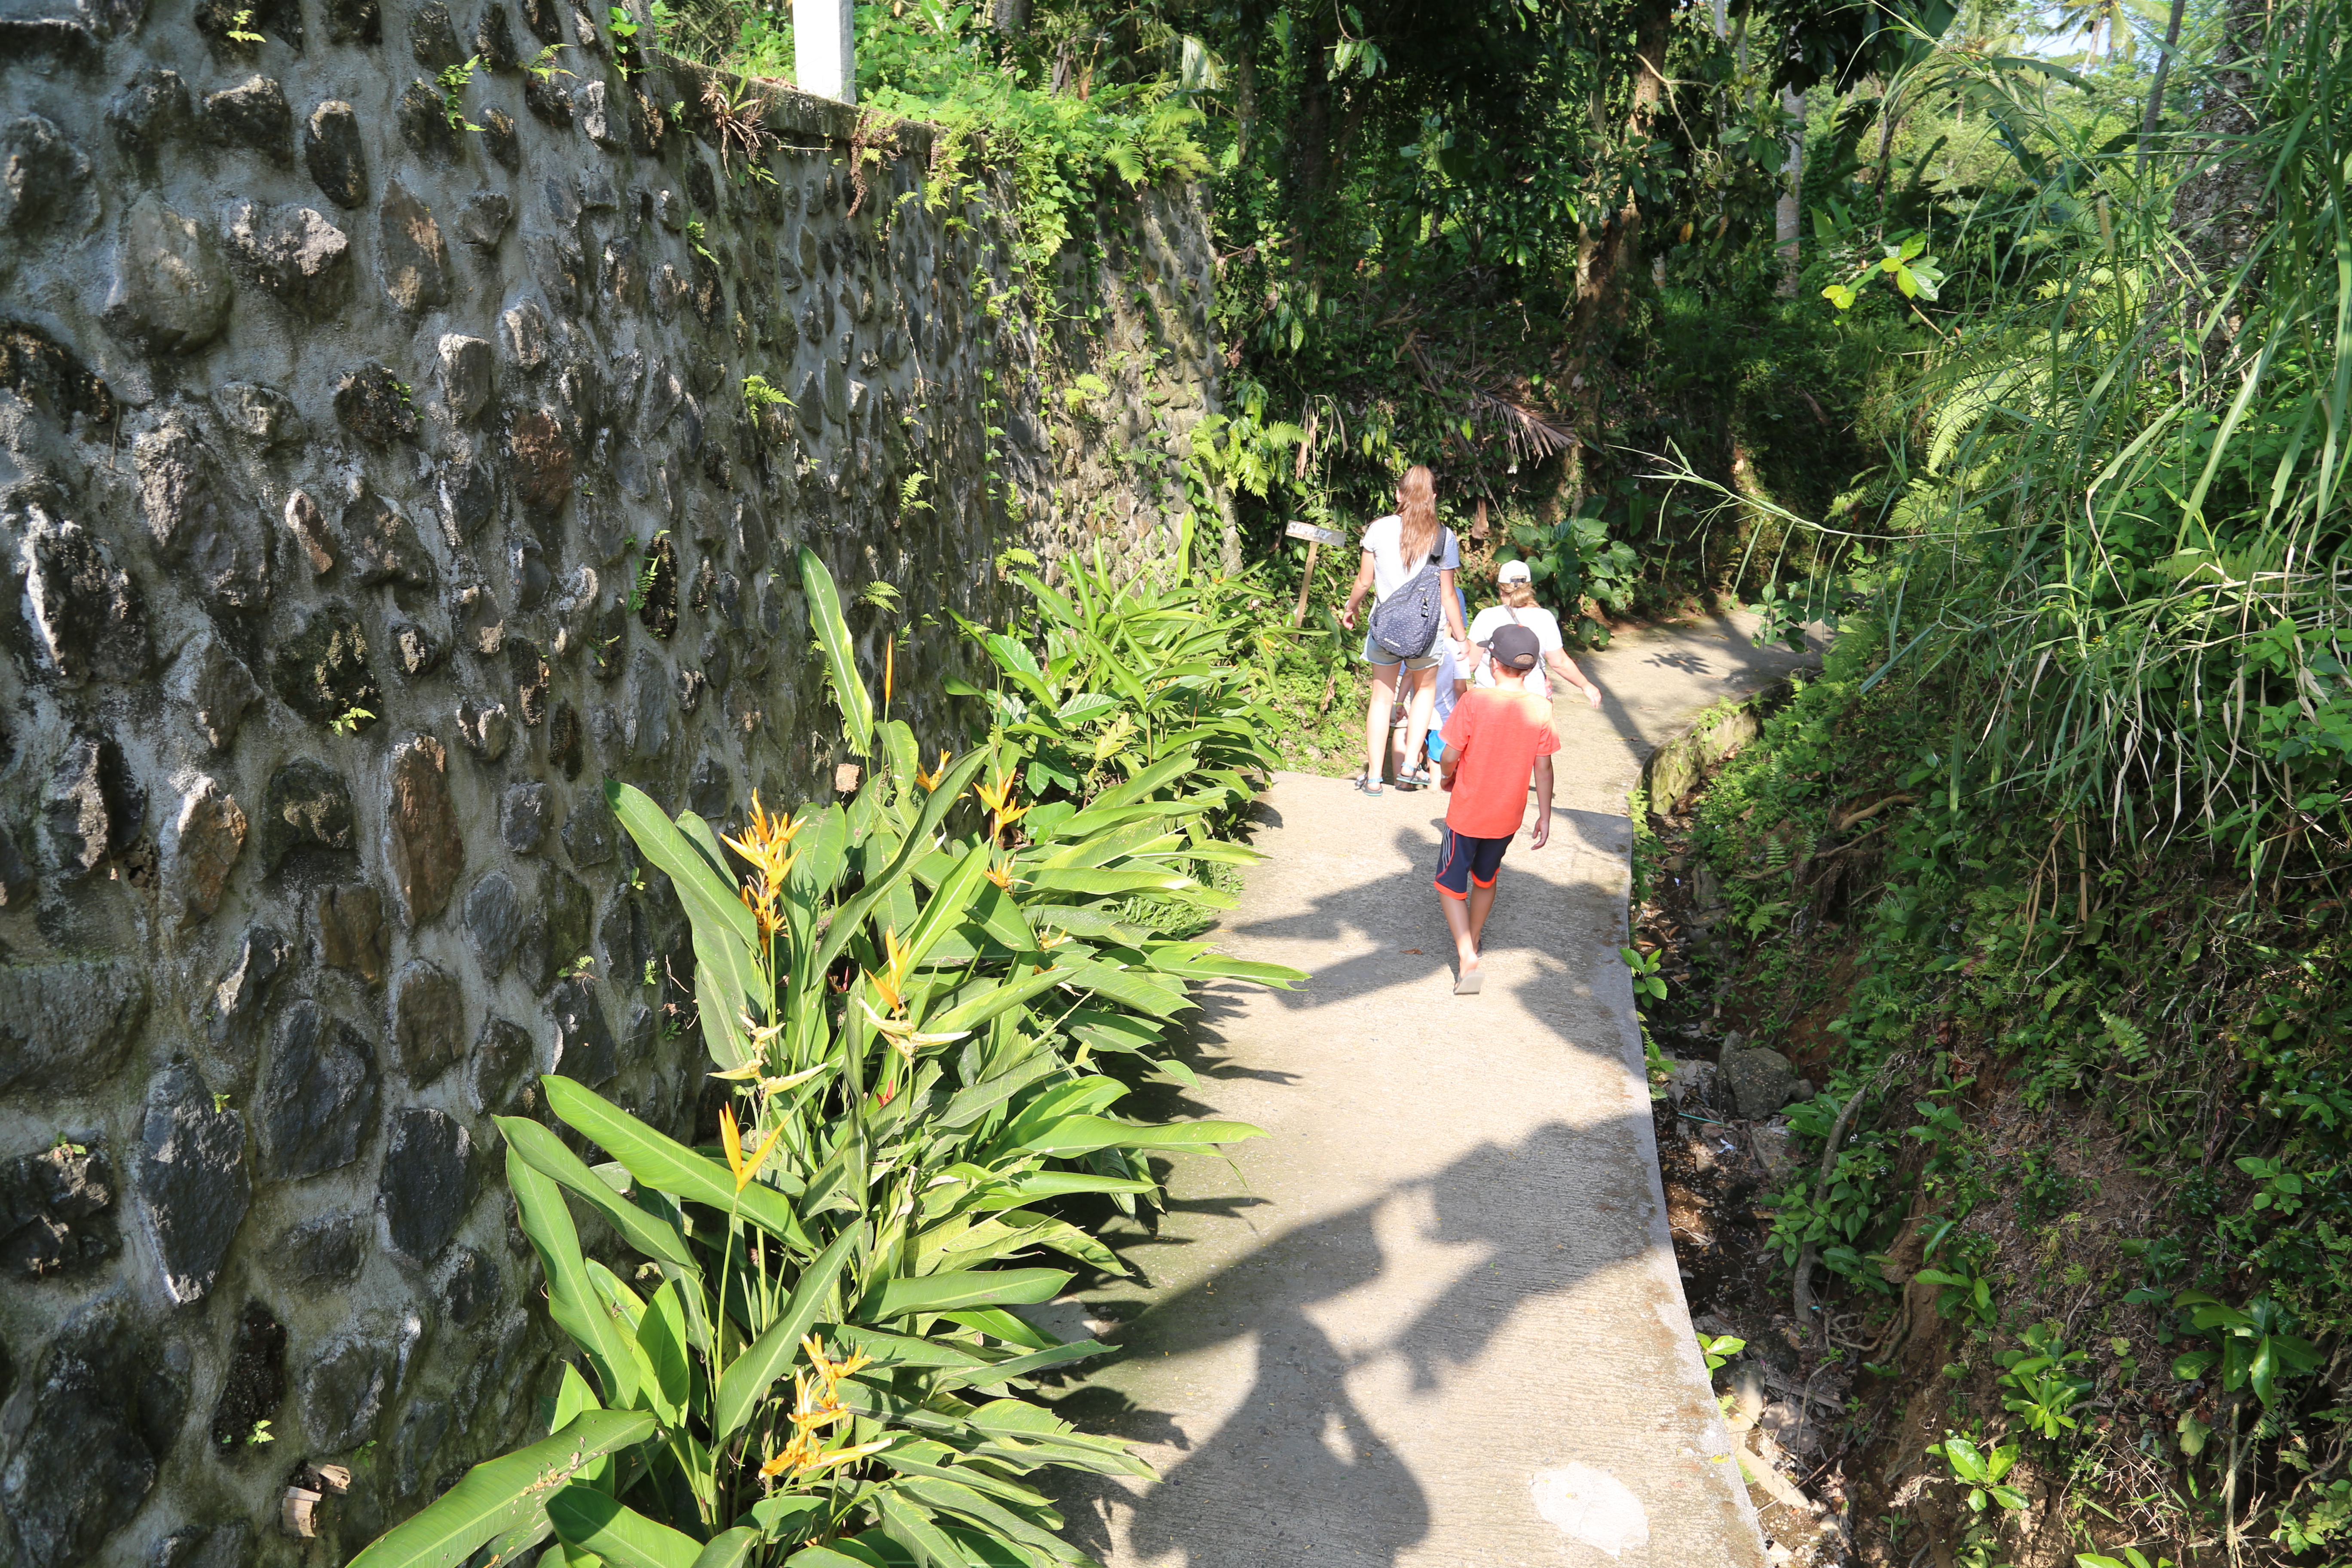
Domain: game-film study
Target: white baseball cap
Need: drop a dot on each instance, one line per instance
(1515, 571)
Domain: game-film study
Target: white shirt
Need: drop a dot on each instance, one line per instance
(1391, 570)
(1536, 620)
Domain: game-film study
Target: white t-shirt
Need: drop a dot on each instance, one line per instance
(1391, 570)
(1536, 620)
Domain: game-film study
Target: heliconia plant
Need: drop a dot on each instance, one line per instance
(813, 1358)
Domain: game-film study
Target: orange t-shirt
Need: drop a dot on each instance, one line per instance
(1500, 734)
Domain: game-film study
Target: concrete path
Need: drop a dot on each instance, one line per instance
(1435, 1317)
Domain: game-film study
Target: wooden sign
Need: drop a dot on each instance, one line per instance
(1315, 535)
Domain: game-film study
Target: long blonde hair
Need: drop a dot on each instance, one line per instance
(1417, 506)
(1518, 595)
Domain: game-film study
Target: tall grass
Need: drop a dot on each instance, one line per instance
(2120, 546)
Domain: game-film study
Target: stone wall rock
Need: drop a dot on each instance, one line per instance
(375, 488)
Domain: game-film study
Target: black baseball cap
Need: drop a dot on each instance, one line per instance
(1516, 645)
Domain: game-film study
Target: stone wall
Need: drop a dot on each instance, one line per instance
(375, 486)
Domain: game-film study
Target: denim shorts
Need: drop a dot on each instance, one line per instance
(1380, 652)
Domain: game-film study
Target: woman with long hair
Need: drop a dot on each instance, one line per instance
(1516, 585)
(1411, 557)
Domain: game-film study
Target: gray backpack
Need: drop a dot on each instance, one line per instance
(1406, 622)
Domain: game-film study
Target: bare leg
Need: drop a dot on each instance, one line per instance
(1420, 702)
(1465, 942)
(1482, 904)
(1376, 719)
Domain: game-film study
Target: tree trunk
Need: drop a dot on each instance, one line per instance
(1011, 17)
(1309, 175)
(2219, 208)
(1607, 261)
(1790, 209)
(2155, 114)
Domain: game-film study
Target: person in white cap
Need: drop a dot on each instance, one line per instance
(1517, 585)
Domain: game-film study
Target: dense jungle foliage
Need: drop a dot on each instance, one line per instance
(2009, 346)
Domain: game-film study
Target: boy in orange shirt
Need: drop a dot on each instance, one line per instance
(1496, 737)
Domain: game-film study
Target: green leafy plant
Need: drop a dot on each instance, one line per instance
(351, 721)
(2044, 1381)
(641, 581)
(260, 1435)
(1644, 967)
(1904, 261)
(240, 28)
(1981, 1470)
(901, 994)
(454, 81)
(544, 66)
(2256, 1349)
(694, 234)
(1719, 1349)
(2132, 1558)
(584, 964)
(759, 393)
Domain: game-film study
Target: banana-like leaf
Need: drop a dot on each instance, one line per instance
(980, 1009)
(1036, 1361)
(1005, 1326)
(728, 1548)
(498, 1495)
(826, 1557)
(840, 657)
(1106, 884)
(1133, 988)
(545, 1154)
(662, 1340)
(912, 1527)
(753, 1372)
(669, 1167)
(592, 1522)
(950, 905)
(963, 1288)
(1084, 1134)
(726, 937)
(850, 918)
(956, 1498)
(573, 1299)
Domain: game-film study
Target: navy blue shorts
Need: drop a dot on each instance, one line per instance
(1462, 860)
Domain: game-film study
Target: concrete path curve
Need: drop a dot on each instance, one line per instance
(1434, 1319)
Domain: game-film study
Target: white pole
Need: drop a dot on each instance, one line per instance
(824, 49)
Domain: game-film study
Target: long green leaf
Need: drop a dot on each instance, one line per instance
(595, 1522)
(911, 1526)
(963, 1288)
(669, 1167)
(545, 1154)
(840, 657)
(850, 918)
(980, 1009)
(502, 1494)
(726, 937)
(1084, 1134)
(728, 1549)
(750, 1374)
(572, 1299)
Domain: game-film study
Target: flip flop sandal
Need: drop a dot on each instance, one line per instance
(1417, 779)
(1367, 786)
(1466, 984)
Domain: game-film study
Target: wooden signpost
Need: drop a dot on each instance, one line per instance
(1316, 539)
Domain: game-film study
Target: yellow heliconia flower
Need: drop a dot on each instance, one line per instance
(816, 1406)
(998, 798)
(765, 840)
(930, 781)
(903, 1036)
(730, 1142)
(1000, 874)
(891, 983)
(889, 669)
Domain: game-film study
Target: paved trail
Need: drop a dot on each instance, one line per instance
(1433, 1320)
